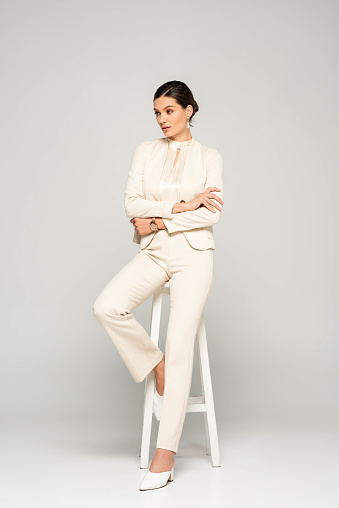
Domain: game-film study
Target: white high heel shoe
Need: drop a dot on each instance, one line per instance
(157, 404)
(156, 480)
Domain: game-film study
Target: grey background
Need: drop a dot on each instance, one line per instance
(77, 83)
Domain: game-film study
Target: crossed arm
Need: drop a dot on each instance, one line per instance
(137, 206)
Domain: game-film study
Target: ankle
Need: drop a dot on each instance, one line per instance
(160, 366)
(165, 453)
(159, 372)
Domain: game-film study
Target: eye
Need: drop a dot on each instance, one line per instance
(169, 110)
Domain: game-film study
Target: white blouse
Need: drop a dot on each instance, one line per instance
(173, 169)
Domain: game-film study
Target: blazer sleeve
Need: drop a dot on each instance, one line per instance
(202, 216)
(135, 204)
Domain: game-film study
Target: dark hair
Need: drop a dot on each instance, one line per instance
(179, 91)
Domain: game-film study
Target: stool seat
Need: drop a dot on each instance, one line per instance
(203, 403)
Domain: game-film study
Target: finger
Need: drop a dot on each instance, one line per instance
(209, 207)
(217, 198)
(211, 202)
(216, 205)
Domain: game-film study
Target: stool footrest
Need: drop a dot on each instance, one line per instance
(196, 408)
(196, 399)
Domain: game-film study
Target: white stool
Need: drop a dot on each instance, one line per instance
(203, 403)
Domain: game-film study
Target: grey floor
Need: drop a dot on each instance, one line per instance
(53, 464)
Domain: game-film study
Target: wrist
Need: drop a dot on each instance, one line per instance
(153, 225)
(160, 223)
(180, 207)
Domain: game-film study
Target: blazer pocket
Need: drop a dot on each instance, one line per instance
(199, 239)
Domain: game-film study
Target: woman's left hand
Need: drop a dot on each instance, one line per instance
(142, 225)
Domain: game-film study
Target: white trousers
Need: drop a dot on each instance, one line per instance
(190, 275)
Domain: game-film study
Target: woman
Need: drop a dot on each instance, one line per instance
(170, 198)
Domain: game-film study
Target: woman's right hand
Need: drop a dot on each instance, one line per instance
(206, 199)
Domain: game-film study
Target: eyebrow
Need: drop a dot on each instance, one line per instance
(169, 106)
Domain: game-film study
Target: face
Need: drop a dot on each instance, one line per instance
(170, 114)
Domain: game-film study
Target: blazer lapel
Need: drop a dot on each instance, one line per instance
(153, 169)
(194, 172)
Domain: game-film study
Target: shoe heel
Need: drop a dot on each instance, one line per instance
(171, 478)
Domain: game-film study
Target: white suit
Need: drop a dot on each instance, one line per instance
(181, 254)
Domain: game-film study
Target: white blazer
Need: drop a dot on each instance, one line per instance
(203, 168)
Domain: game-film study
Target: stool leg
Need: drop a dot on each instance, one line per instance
(212, 444)
(147, 422)
(207, 436)
(149, 386)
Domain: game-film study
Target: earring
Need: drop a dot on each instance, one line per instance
(188, 122)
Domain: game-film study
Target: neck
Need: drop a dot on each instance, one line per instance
(185, 136)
